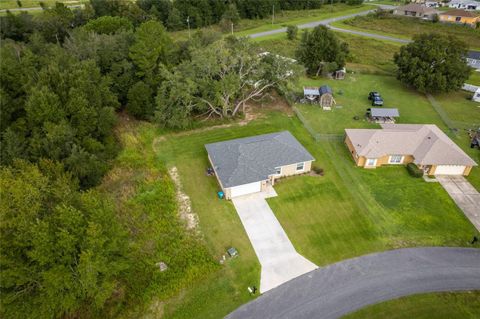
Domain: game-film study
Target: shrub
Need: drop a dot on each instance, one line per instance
(292, 31)
(414, 171)
(318, 170)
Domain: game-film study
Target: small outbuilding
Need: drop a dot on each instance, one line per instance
(340, 74)
(382, 115)
(326, 99)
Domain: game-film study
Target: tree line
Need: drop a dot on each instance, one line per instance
(63, 76)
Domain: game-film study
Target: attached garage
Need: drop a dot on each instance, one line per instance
(449, 170)
(245, 189)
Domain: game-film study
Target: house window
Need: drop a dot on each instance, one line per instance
(395, 159)
(300, 166)
(458, 19)
(371, 161)
(278, 170)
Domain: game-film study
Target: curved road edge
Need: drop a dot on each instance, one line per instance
(347, 286)
(327, 22)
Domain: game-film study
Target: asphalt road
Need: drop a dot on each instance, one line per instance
(327, 22)
(341, 288)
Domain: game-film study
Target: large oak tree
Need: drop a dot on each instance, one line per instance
(433, 63)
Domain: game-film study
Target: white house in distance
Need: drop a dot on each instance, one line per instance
(476, 95)
(465, 4)
(473, 59)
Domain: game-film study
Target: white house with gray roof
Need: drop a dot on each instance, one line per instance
(395, 144)
(249, 165)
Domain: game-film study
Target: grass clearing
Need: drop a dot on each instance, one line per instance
(285, 18)
(464, 305)
(351, 95)
(328, 218)
(406, 28)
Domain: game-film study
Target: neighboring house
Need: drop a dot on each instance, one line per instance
(322, 96)
(465, 4)
(476, 95)
(382, 115)
(461, 17)
(249, 165)
(473, 59)
(326, 97)
(416, 10)
(425, 145)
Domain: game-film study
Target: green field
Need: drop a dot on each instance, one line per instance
(346, 213)
(285, 18)
(464, 305)
(406, 28)
(12, 4)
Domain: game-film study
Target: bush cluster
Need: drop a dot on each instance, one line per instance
(414, 171)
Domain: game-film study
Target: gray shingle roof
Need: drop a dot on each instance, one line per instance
(252, 159)
(325, 89)
(475, 55)
(381, 112)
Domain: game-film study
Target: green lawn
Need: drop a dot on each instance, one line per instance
(405, 28)
(474, 78)
(464, 305)
(352, 211)
(346, 213)
(351, 95)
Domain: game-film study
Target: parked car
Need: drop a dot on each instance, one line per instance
(375, 98)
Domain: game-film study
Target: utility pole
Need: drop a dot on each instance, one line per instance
(273, 13)
(188, 23)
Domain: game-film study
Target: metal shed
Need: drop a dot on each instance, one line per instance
(383, 115)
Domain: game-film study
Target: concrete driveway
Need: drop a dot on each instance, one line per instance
(336, 290)
(327, 22)
(465, 196)
(279, 260)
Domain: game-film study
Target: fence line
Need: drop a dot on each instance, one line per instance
(315, 135)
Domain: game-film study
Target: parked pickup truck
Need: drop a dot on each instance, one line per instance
(375, 98)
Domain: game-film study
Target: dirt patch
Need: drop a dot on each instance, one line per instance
(184, 202)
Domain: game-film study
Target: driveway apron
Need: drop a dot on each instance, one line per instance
(464, 195)
(279, 260)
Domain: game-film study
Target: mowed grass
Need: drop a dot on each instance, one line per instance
(406, 27)
(346, 213)
(351, 97)
(464, 305)
(352, 211)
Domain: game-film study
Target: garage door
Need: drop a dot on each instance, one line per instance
(449, 170)
(245, 189)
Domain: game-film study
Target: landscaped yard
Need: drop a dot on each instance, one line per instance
(351, 97)
(465, 305)
(346, 213)
(406, 27)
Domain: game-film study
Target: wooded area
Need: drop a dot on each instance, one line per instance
(65, 74)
